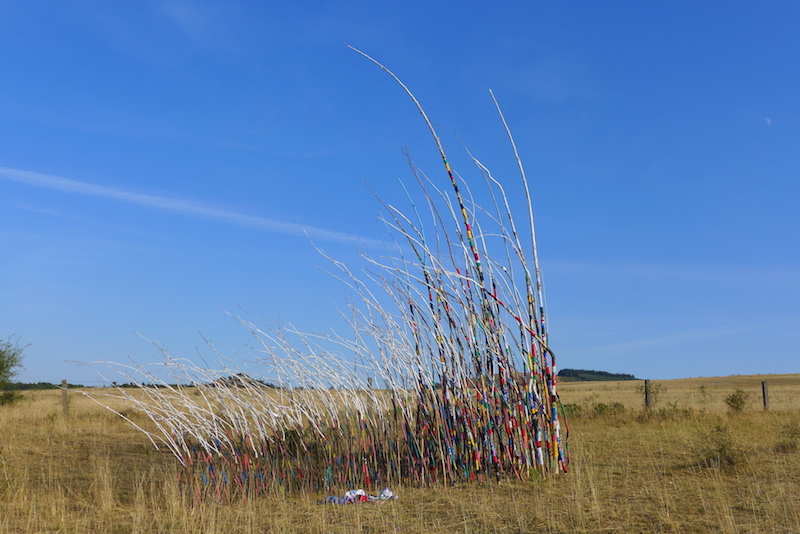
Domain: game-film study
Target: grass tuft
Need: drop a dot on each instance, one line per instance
(789, 438)
(716, 448)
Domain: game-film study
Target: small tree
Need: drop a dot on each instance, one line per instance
(11, 354)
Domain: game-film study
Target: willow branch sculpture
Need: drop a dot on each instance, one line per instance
(448, 375)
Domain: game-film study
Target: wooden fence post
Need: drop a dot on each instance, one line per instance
(64, 404)
(765, 395)
(647, 394)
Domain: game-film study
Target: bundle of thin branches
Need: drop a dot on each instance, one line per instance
(450, 324)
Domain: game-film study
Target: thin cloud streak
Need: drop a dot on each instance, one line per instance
(676, 271)
(175, 205)
(669, 339)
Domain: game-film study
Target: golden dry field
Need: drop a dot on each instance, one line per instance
(687, 465)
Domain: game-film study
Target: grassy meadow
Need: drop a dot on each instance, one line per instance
(689, 464)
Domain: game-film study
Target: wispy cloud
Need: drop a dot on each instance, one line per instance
(211, 24)
(686, 336)
(552, 80)
(188, 17)
(184, 207)
(718, 273)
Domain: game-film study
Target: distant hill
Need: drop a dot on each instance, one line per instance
(241, 380)
(583, 375)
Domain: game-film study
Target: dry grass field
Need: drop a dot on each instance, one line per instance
(687, 465)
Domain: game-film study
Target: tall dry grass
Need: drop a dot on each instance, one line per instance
(686, 466)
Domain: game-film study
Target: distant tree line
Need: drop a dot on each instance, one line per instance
(575, 375)
(232, 381)
(29, 386)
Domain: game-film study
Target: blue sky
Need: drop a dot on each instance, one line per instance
(161, 162)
